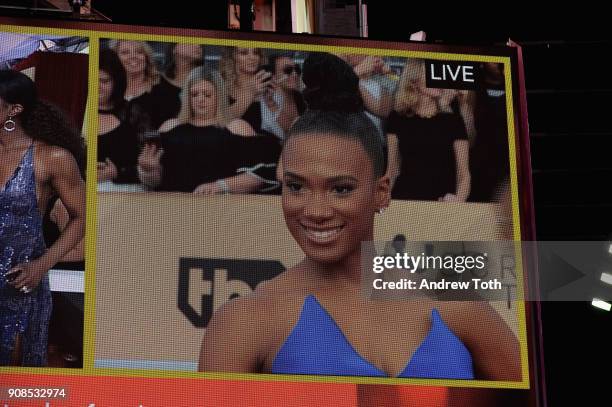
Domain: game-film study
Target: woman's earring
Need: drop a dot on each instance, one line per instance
(9, 124)
(381, 211)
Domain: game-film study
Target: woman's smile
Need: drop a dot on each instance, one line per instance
(322, 235)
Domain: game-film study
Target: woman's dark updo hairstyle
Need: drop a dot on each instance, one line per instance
(352, 125)
(331, 84)
(335, 107)
(40, 120)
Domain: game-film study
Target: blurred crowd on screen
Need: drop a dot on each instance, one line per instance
(212, 119)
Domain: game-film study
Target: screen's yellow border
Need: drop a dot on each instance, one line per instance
(91, 226)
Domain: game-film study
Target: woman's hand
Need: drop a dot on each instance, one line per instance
(384, 68)
(209, 188)
(149, 159)
(107, 171)
(268, 97)
(371, 65)
(261, 81)
(149, 165)
(28, 275)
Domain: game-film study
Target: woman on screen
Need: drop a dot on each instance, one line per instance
(180, 60)
(428, 147)
(247, 80)
(282, 102)
(39, 158)
(313, 319)
(203, 151)
(137, 59)
(118, 147)
(142, 76)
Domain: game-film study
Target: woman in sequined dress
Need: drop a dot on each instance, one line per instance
(39, 160)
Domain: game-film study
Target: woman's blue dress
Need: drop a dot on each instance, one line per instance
(21, 241)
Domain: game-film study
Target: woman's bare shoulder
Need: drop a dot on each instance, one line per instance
(241, 128)
(256, 313)
(493, 344)
(467, 315)
(293, 281)
(260, 304)
(169, 125)
(107, 123)
(52, 156)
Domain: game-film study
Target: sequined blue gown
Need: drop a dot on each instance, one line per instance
(21, 240)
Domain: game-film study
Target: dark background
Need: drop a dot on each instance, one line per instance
(569, 100)
(569, 92)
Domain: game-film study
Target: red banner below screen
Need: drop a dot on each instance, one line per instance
(146, 392)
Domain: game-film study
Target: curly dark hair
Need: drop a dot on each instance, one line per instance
(41, 120)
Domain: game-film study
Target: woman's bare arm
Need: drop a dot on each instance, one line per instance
(242, 102)
(393, 168)
(494, 347)
(467, 100)
(380, 106)
(462, 159)
(235, 338)
(66, 181)
(59, 215)
(244, 183)
(248, 94)
(241, 128)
